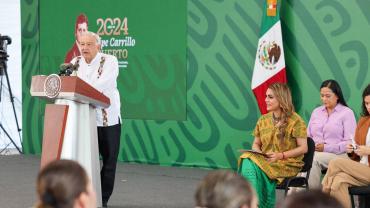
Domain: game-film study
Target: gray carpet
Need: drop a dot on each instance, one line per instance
(137, 185)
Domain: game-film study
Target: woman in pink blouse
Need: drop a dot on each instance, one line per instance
(331, 126)
(344, 173)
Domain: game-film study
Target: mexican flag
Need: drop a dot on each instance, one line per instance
(269, 66)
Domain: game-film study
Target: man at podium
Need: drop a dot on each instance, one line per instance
(101, 71)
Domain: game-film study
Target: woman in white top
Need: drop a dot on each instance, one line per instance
(344, 173)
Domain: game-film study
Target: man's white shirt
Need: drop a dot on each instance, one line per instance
(105, 83)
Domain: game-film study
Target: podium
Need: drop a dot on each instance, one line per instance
(70, 130)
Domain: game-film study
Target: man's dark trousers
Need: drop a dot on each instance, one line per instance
(109, 143)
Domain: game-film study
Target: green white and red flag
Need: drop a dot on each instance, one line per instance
(269, 66)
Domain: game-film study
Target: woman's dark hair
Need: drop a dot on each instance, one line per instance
(308, 199)
(365, 93)
(60, 183)
(334, 86)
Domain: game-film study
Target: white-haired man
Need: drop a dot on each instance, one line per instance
(101, 71)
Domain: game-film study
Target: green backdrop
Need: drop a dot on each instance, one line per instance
(322, 39)
(152, 82)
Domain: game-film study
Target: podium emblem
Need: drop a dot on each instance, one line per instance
(52, 86)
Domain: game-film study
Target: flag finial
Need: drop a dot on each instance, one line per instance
(271, 7)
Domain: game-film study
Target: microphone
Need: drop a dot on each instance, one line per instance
(66, 69)
(65, 66)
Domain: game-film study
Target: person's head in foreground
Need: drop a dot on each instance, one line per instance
(225, 189)
(308, 199)
(64, 184)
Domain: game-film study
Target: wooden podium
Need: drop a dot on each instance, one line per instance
(70, 130)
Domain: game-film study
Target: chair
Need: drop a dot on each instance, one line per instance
(364, 195)
(301, 181)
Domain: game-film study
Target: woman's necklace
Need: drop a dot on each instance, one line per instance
(275, 120)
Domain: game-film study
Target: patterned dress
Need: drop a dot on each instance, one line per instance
(268, 134)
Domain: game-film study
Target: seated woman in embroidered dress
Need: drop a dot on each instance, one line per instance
(343, 173)
(281, 134)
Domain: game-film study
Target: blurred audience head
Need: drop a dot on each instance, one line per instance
(225, 189)
(64, 184)
(309, 199)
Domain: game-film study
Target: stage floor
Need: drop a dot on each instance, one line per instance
(137, 185)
